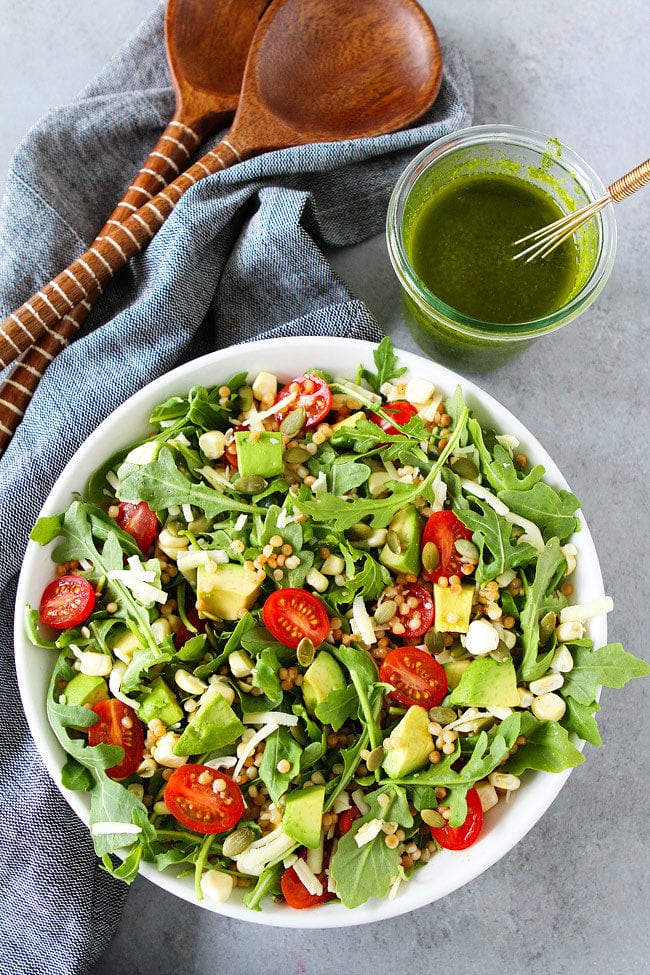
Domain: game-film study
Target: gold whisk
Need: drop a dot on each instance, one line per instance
(546, 239)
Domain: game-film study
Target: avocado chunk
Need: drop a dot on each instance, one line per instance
(302, 818)
(213, 725)
(224, 590)
(454, 670)
(349, 421)
(85, 691)
(407, 526)
(124, 643)
(321, 678)
(487, 683)
(259, 452)
(161, 703)
(410, 744)
(453, 608)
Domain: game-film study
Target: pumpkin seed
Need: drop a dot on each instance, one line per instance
(466, 549)
(459, 652)
(293, 422)
(375, 758)
(297, 455)
(392, 540)
(546, 628)
(245, 394)
(253, 484)
(434, 641)
(433, 818)
(501, 653)
(385, 612)
(430, 557)
(359, 532)
(442, 716)
(466, 468)
(305, 652)
(238, 841)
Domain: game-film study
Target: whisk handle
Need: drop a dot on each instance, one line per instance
(630, 183)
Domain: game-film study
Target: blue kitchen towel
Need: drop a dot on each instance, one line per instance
(238, 260)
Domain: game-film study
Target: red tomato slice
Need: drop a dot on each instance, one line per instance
(230, 451)
(313, 395)
(346, 818)
(401, 410)
(296, 894)
(443, 529)
(460, 837)
(139, 521)
(194, 803)
(183, 634)
(292, 614)
(420, 615)
(416, 676)
(118, 725)
(66, 602)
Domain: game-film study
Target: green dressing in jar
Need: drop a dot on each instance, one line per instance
(460, 244)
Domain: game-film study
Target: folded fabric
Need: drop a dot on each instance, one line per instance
(238, 260)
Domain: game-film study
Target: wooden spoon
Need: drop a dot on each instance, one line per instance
(353, 70)
(207, 43)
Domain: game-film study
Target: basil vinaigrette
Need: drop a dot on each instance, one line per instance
(460, 244)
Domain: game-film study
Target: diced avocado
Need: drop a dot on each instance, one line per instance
(161, 703)
(302, 818)
(224, 590)
(487, 683)
(453, 607)
(410, 744)
(213, 725)
(454, 670)
(321, 678)
(124, 643)
(407, 526)
(349, 421)
(85, 691)
(259, 452)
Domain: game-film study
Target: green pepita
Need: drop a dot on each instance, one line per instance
(442, 715)
(296, 455)
(238, 841)
(359, 532)
(305, 652)
(245, 395)
(430, 557)
(465, 468)
(253, 484)
(546, 627)
(501, 653)
(433, 818)
(293, 422)
(467, 549)
(392, 540)
(385, 612)
(375, 758)
(434, 641)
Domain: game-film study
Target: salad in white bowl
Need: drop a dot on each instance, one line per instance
(318, 646)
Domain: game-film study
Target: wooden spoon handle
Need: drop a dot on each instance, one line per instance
(168, 159)
(89, 273)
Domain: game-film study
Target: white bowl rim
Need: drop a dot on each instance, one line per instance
(506, 825)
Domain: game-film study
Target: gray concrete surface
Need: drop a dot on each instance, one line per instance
(573, 898)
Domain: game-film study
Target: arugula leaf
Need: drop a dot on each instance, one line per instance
(539, 600)
(548, 748)
(268, 885)
(579, 720)
(280, 746)
(46, 529)
(346, 475)
(553, 511)
(492, 536)
(338, 707)
(371, 580)
(610, 666)
(500, 470)
(386, 363)
(161, 484)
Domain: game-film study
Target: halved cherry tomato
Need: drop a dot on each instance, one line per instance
(443, 528)
(419, 617)
(193, 802)
(139, 521)
(346, 818)
(313, 395)
(292, 614)
(66, 602)
(460, 837)
(401, 410)
(416, 676)
(118, 725)
(296, 894)
(230, 450)
(183, 634)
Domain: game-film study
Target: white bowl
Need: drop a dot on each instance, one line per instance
(505, 825)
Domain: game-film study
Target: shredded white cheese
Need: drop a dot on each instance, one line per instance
(367, 832)
(104, 829)
(361, 622)
(251, 745)
(360, 802)
(254, 418)
(113, 480)
(278, 717)
(215, 480)
(241, 521)
(226, 761)
(307, 877)
(531, 534)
